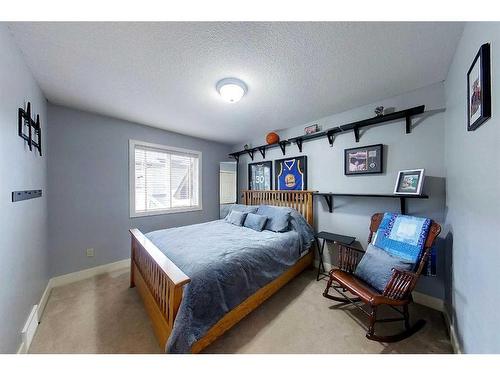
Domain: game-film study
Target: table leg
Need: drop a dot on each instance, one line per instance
(321, 265)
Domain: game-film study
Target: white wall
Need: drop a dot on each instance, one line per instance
(423, 148)
(473, 199)
(23, 241)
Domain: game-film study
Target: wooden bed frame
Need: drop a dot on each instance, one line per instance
(160, 282)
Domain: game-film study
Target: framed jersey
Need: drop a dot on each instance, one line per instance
(291, 173)
(259, 175)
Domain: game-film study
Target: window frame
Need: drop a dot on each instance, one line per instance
(131, 162)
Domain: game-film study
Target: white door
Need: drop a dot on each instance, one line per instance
(227, 187)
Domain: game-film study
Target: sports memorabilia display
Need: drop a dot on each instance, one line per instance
(291, 173)
(272, 138)
(259, 175)
(363, 160)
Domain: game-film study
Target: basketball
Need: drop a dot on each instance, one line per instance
(272, 138)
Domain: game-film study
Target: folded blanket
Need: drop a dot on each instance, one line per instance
(403, 236)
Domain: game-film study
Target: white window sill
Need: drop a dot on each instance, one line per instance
(165, 212)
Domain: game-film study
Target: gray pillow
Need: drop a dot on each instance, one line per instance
(236, 218)
(255, 222)
(375, 268)
(243, 208)
(277, 217)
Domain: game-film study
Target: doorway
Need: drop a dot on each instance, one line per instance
(228, 186)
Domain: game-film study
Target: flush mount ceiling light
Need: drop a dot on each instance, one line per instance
(231, 89)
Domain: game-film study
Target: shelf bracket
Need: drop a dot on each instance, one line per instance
(356, 133)
(329, 199)
(283, 146)
(236, 157)
(331, 138)
(298, 142)
(250, 152)
(402, 202)
(408, 124)
(262, 150)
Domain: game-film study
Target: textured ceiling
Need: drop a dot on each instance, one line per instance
(164, 74)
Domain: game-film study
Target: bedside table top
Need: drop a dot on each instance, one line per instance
(347, 240)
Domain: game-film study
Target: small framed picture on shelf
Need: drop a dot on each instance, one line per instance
(311, 129)
(479, 89)
(409, 182)
(363, 160)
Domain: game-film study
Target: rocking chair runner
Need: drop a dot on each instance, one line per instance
(397, 293)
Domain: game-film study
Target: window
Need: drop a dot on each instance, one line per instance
(163, 179)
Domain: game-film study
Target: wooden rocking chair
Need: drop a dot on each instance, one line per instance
(397, 293)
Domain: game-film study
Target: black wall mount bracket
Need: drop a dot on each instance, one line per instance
(26, 123)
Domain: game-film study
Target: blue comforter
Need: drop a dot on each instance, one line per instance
(226, 264)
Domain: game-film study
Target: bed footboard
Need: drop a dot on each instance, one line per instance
(159, 282)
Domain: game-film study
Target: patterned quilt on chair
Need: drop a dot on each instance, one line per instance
(402, 236)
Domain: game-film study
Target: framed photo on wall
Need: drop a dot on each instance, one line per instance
(409, 182)
(291, 173)
(363, 160)
(479, 89)
(259, 175)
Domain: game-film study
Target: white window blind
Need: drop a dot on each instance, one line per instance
(164, 179)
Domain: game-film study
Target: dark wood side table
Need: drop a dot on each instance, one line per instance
(332, 237)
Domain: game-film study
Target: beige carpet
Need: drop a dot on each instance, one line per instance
(102, 315)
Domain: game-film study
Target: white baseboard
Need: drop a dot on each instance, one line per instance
(453, 334)
(43, 301)
(21, 349)
(88, 273)
(420, 298)
(30, 327)
(429, 301)
(68, 279)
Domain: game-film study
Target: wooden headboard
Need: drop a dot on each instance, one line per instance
(302, 201)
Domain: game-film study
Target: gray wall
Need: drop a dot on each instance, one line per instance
(88, 187)
(473, 199)
(423, 148)
(23, 241)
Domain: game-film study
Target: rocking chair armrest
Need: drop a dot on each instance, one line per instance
(400, 285)
(349, 258)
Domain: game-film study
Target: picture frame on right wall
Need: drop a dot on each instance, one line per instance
(479, 89)
(409, 182)
(364, 160)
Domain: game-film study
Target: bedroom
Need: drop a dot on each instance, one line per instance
(208, 187)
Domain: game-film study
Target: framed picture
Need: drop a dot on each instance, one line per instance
(311, 129)
(291, 173)
(363, 160)
(479, 89)
(409, 182)
(259, 175)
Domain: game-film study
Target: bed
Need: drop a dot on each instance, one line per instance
(232, 270)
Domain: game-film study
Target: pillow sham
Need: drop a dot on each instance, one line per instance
(376, 266)
(277, 217)
(255, 222)
(243, 208)
(236, 218)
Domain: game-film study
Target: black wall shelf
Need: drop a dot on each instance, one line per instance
(262, 149)
(402, 198)
(330, 133)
